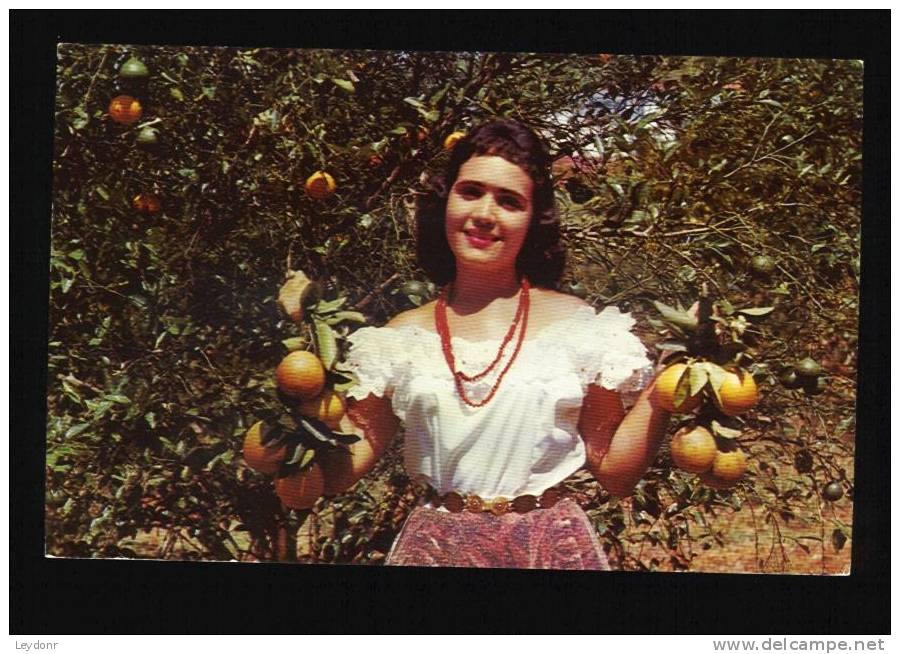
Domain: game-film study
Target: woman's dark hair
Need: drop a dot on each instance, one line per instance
(542, 257)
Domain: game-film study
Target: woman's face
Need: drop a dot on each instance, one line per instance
(488, 213)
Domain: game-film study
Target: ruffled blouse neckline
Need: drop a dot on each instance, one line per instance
(581, 313)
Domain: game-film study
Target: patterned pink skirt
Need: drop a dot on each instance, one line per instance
(558, 538)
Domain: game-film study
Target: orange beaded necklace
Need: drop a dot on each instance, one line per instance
(443, 329)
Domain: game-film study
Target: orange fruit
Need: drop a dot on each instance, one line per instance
(738, 393)
(664, 392)
(146, 203)
(328, 407)
(265, 459)
(300, 375)
(301, 489)
(125, 110)
(453, 139)
(727, 469)
(320, 185)
(693, 450)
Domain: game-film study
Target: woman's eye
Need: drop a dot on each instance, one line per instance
(510, 202)
(470, 192)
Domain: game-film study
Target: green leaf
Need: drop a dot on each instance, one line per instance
(350, 316)
(160, 339)
(118, 399)
(99, 408)
(345, 439)
(176, 93)
(757, 311)
(69, 390)
(323, 307)
(678, 318)
(345, 84)
(717, 375)
(82, 119)
(698, 378)
(343, 387)
(725, 432)
(78, 255)
(317, 429)
(273, 436)
(682, 389)
(102, 192)
(326, 344)
(77, 429)
(295, 343)
(307, 459)
(297, 455)
(671, 347)
(150, 417)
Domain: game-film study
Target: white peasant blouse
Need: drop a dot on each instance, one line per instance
(525, 439)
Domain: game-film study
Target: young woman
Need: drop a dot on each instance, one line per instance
(504, 386)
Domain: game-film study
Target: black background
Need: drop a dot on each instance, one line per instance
(55, 596)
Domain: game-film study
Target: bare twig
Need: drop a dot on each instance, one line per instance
(212, 367)
(90, 88)
(384, 185)
(693, 265)
(77, 382)
(376, 292)
(755, 537)
(802, 286)
(149, 123)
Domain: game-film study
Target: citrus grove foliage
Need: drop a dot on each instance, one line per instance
(174, 229)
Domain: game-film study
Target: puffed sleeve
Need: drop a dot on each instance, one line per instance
(374, 358)
(607, 350)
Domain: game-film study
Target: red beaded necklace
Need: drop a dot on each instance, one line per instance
(443, 329)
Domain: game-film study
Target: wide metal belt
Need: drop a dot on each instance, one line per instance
(456, 502)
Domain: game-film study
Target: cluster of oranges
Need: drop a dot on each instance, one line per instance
(127, 110)
(300, 378)
(719, 462)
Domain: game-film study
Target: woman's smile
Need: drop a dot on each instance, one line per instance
(489, 212)
(480, 240)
